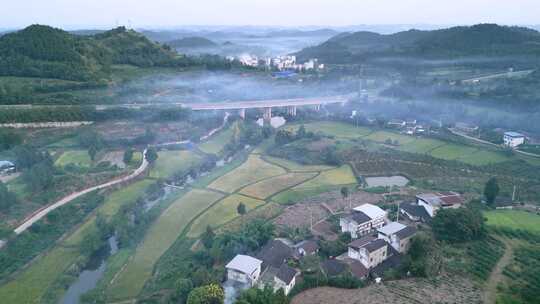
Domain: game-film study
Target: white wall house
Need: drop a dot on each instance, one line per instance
(513, 139)
(369, 251)
(285, 279)
(432, 202)
(244, 269)
(397, 235)
(363, 220)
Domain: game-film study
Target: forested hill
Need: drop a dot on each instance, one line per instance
(462, 41)
(43, 51)
(192, 42)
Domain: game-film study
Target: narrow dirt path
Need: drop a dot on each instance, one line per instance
(490, 290)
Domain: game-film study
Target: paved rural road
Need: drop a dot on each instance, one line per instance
(43, 212)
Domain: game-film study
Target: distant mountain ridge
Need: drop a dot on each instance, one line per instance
(192, 42)
(44, 51)
(481, 40)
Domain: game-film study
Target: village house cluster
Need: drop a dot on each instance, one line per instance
(281, 63)
(377, 246)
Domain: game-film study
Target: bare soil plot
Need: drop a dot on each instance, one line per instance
(115, 158)
(411, 291)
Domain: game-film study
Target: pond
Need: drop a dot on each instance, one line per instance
(92, 273)
(386, 181)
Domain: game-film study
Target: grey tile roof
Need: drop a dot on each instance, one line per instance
(286, 273)
(406, 232)
(375, 245)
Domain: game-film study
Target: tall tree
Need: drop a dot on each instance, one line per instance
(151, 155)
(241, 209)
(208, 294)
(345, 194)
(491, 190)
(128, 156)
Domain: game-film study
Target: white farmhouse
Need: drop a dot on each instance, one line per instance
(397, 235)
(513, 139)
(369, 251)
(285, 279)
(244, 269)
(363, 220)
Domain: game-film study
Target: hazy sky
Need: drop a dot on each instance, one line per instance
(106, 13)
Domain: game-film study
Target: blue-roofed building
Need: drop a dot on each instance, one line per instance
(513, 139)
(284, 74)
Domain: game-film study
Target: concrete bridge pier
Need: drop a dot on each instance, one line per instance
(267, 116)
(291, 110)
(242, 113)
(317, 107)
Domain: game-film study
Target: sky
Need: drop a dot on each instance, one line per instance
(175, 13)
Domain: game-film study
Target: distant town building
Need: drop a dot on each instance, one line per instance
(244, 269)
(432, 202)
(465, 127)
(513, 139)
(396, 123)
(363, 220)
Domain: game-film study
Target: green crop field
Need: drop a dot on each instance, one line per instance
(337, 129)
(421, 145)
(484, 158)
(158, 239)
(222, 212)
(32, 283)
(171, 162)
(339, 176)
(514, 219)
(452, 151)
(77, 157)
(297, 194)
(382, 136)
(253, 170)
(268, 187)
(217, 142)
(294, 166)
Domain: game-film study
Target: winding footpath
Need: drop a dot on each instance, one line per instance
(490, 290)
(29, 221)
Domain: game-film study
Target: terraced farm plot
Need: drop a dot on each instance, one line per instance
(339, 176)
(337, 129)
(253, 170)
(76, 157)
(32, 283)
(481, 158)
(296, 167)
(158, 239)
(171, 162)
(217, 142)
(268, 187)
(514, 219)
(421, 145)
(222, 212)
(382, 136)
(452, 151)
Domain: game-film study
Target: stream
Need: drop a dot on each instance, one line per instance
(92, 273)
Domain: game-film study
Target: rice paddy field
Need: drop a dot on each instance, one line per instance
(338, 129)
(268, 187)
(222, 212)
(161, 235)
(295, 167)
(339, 176)
(253, 170)
(171, 162)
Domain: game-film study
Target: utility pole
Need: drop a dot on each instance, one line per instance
(514, 194)
(397, 215)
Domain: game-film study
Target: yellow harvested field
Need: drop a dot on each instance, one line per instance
(296, 167)
(268, 187)
(253, 170)
(339, 176)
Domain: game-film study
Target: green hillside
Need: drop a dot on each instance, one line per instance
(46, 52)
(192, 42)
(462, 41)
